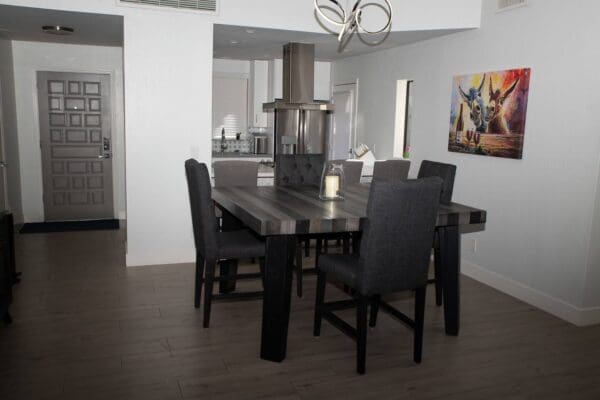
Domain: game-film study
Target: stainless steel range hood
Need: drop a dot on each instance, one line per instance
(298, 80)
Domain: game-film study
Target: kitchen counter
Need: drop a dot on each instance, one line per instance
(217, 154)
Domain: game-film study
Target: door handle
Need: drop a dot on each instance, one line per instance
(3, 164)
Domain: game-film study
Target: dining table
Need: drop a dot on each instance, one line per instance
(279, 214)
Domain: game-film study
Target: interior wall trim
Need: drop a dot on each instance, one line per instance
(575, 315)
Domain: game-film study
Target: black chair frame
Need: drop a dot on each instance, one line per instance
(362, 304)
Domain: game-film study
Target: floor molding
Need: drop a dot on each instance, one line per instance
(559, 308)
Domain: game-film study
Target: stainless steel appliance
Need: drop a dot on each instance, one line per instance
(301, 123)
(261, 145)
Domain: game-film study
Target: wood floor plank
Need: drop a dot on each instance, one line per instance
(87, 327)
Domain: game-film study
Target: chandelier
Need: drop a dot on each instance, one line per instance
(348, 22)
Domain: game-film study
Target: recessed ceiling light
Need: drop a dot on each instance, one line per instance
(57, 30)
(250, 31)
(234, 42)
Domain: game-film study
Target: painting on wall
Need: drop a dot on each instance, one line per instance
(488, 112)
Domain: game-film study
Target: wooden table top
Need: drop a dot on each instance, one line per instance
(276, 210)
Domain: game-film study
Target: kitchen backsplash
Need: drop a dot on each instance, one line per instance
(234, 145)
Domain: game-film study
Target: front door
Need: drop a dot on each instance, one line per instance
(75, 139)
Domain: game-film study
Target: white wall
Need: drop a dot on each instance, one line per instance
(236, 67)
(9, 121)
(31, 57)
(591, 294)
(167, 82)
(540, 209)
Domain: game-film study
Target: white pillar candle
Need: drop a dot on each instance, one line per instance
(332, 186)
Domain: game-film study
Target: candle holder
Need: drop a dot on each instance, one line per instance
(332, 182)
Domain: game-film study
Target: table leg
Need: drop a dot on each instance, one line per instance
(279, 268)
(449, 238)
(229, 267)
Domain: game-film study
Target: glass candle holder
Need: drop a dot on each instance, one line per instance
(332, 182)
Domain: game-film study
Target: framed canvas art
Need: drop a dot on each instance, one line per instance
(488, 113)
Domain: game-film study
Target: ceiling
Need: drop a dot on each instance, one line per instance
(248, 43)
(24, 23)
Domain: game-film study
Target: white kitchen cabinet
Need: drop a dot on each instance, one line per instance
(275, 90)
(259, 73)
(322, 81)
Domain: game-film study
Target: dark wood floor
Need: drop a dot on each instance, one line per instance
(86, 327)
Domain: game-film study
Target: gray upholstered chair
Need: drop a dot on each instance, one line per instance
(235, 173)
(352, 170)
(299, 169)
(447, 172)
(296, 170)
(394, 256)
(213, 246)
(391, 170)
(229, 173)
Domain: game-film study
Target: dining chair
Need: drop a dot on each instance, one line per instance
(214, 246)
(394, 257)
(235, 173)
(297, 170)
(446, 172)
(391, 170)
(228, 173)
(352, 171)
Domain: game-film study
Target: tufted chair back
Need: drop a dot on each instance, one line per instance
(299, 169)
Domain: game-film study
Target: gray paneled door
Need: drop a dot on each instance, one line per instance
(75, 139)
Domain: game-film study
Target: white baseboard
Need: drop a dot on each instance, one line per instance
(559, 308)
(179, 256)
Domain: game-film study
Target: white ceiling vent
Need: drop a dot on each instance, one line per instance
(505, 5)
(202, 5)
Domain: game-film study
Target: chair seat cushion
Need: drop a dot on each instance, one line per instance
(343, 266)
(239, 244)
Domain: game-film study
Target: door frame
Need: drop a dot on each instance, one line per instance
(118, 146)
(3, 172)
(348, 87)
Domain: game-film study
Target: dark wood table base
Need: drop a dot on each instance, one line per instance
(279, 269)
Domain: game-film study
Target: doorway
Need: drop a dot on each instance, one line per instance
(343, 132)
(3, 165)
(76, 146)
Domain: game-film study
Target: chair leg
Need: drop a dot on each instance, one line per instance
(361, 330)
(419, 319)
(208, 291)
(346, 243)
(437, 270)
(299, 269)
(374, 310)
(356, 242)
(199, 279)
(307, 248)
(320, 298)
(261, 266)
(318, 250)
